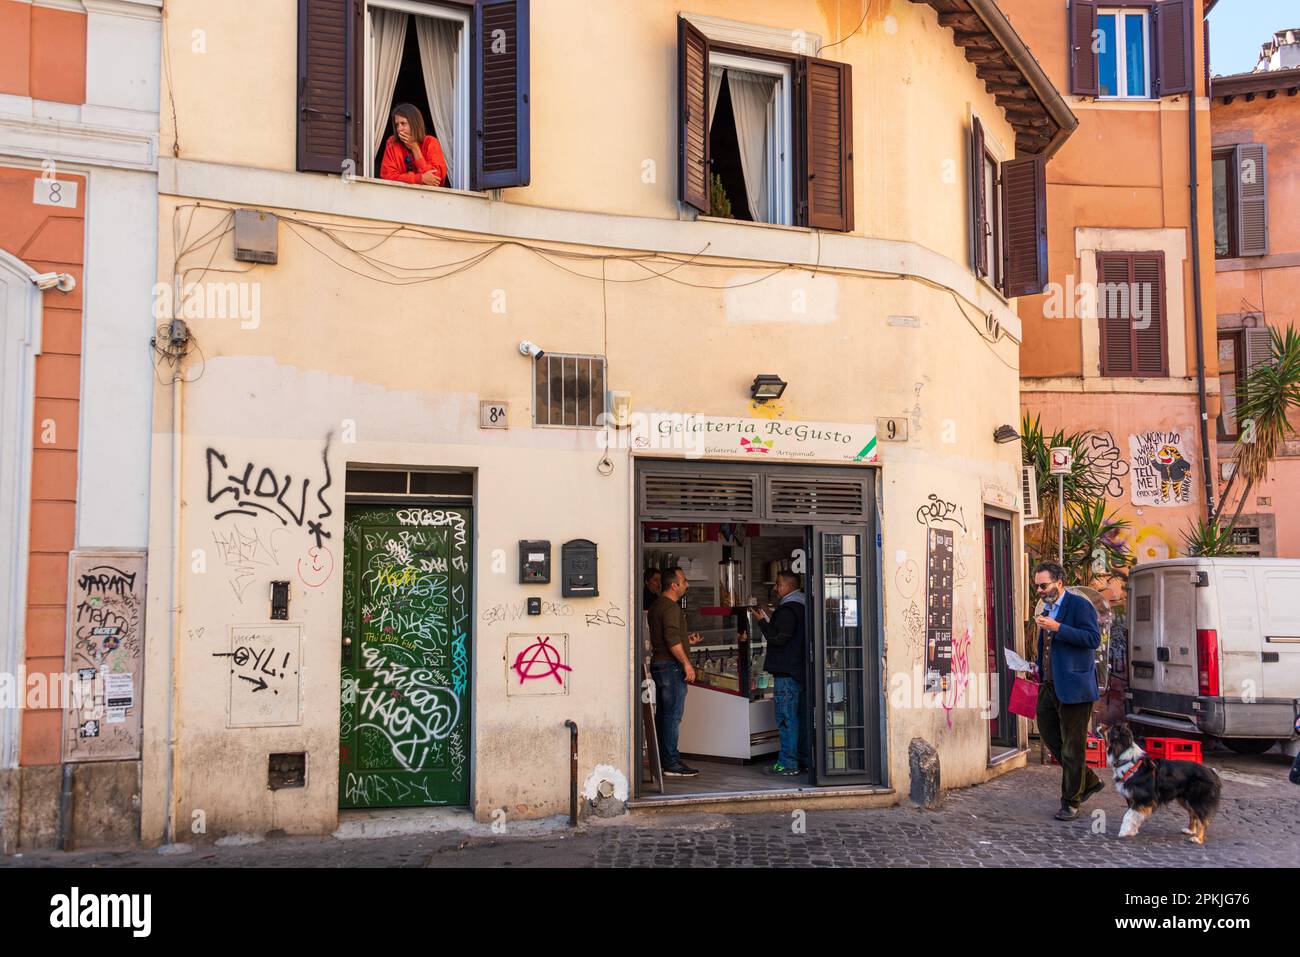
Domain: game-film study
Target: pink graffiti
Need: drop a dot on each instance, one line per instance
(959, 677)
(543, 657)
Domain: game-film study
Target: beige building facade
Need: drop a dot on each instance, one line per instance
(356, 453)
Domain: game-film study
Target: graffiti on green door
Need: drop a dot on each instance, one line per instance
(404, 709)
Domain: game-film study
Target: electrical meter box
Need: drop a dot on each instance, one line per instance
(534, 563)
(578, 569)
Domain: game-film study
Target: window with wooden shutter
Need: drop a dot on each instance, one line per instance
(1176, 59)
(979, 205)
(693, 116)
(1083, 58)
(1024, 226)
(326, 52)
(501, 94)
(828, 128)
(1259, 349)
(1252, 199)
(1131, 314)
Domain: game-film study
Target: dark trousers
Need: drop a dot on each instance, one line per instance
(670, 703)
(1064, 729)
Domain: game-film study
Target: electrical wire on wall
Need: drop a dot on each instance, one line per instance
(356, 249)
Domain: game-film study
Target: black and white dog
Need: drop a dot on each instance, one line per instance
(1147, 783)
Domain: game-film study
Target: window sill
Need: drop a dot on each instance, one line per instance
(746, 222)
(984, 281)
(475, 194)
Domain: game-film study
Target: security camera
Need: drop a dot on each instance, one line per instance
(62, 281)
(527, 348)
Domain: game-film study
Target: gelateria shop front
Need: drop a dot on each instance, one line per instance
(740, 505)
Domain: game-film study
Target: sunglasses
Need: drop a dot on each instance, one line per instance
(1043, 587)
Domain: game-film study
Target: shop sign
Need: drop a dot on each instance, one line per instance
(695, 435)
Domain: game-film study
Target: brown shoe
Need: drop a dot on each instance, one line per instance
(1067, 813)
(1099, 786)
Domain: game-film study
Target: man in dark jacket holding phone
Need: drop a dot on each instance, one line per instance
(1068, 639)
(786, 660)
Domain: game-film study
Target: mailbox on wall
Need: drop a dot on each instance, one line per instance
(578, 569)
(534, 563)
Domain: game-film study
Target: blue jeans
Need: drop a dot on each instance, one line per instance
(790, 722)
(670, 703)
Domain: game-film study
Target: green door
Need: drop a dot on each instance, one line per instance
(404, 715)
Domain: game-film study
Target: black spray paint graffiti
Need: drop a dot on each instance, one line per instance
(1105, 462)
(260, 662)
(939, 511)
(252, 491)
(105, 579)
(507, 611)
(607, 616)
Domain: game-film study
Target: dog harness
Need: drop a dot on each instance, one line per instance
(1146, 759)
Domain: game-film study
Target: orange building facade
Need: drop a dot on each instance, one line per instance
(78, 161)
(1256, 157)
(1111, 348)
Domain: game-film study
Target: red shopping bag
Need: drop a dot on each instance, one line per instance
(1024, 698)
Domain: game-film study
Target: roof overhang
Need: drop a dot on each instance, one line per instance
(1248, 86)
(1043, 121)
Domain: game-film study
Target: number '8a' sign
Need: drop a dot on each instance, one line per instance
(493, 415)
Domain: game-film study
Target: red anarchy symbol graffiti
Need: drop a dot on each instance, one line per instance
(540, 660)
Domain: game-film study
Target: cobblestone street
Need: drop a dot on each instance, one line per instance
(1006, 822)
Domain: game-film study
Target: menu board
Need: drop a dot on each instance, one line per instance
(938, 609)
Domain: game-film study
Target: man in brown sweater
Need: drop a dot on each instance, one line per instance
(670, 668)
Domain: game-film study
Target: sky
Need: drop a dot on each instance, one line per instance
(1238, 28)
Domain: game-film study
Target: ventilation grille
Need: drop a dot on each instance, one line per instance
(817, 499)
(729, 496)
(1029, 494)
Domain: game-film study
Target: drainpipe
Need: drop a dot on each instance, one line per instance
(173, 705)
(573, 772)
(1194, 186)
(65, 808)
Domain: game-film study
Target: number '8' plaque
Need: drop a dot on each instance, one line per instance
(494, 415)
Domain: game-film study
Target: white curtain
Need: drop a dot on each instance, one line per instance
(750, 97)
(389, 41)
(440, 57)
(715, 90)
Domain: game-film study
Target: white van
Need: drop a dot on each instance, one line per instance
(1214, 649)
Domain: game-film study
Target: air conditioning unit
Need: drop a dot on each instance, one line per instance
(1029, 494)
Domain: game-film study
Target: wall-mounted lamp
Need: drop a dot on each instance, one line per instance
(1006, 434)
(620, 409)
(767, 387)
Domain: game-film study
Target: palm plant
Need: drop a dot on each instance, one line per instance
(1093, 549)
(1208, 540)
(1270, 393)
(1082, 487)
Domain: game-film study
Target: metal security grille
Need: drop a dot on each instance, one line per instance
(727, 497)
(816, 499)
(569, 391)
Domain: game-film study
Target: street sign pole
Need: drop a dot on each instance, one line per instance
(1060, 520)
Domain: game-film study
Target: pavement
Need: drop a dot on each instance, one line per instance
(1004, 823)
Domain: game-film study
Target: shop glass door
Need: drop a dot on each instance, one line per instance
(843, 663)
(999, 597)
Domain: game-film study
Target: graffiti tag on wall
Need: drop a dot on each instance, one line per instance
(1162, 473)
(105, 656)
(251, 490)
(264, 664)
(1106, 464)
(537, 664)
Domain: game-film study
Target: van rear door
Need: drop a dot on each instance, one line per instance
(1237, 630)
(1175, 632)
(1280, 650)
(1142, 637)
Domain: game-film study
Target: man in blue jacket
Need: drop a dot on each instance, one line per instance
(1068, 638)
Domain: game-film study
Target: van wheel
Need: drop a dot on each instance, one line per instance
(1248, 745)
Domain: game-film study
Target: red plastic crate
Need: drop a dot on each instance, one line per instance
(1174, 749)
(1094, 756)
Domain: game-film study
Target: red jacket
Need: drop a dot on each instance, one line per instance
(400, 165)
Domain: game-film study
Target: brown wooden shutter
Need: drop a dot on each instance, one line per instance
(1114, 277)
(1252, 199)
(693, 116)
(1024, 226)
(1259, 348)
(502, 126)
(828, 143)
(1083, 60)
(326, 51)
(1175, 56)
(979, 201)
(1149, 332)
